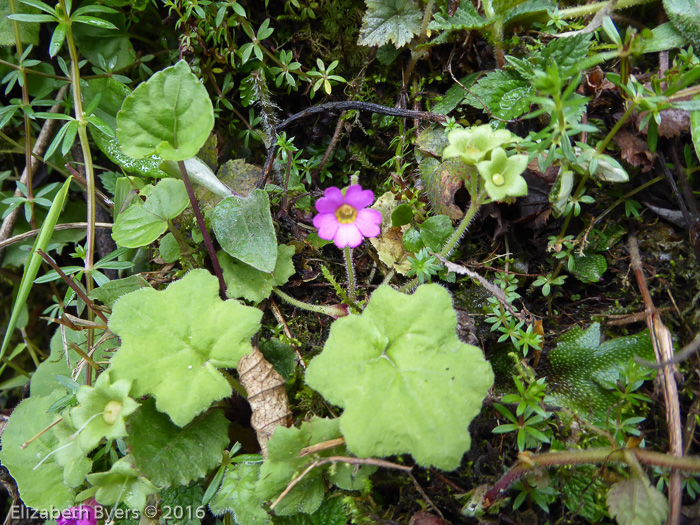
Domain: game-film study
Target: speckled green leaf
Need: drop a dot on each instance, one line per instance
(583, 368)
(589, 267)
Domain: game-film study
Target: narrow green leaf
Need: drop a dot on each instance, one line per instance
(32, 268)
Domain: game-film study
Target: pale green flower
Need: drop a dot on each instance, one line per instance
(473, 144)
(501, 175)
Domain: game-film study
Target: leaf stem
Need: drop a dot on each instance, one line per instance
(203, 228)
(351, 274)
(332, 311)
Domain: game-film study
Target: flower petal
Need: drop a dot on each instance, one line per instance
(327, 224)
(332, 200)
(368, 222)
(347, 235)
(358, 198)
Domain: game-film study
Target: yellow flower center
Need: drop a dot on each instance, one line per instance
(346, 214)
(498, 179)
(111, 412)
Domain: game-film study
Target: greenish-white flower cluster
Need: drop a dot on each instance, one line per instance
(483, 148)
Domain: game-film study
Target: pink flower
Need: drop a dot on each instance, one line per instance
(80, 515)
(345, 220)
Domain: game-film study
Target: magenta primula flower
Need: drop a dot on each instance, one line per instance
(346, 219)
(80, 515)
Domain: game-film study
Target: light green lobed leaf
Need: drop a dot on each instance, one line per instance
(174, 341)
(122, 484)
(44, 487)
(407, 383)
(385, 21)
(172, 456)
(170, 115)
(237, 495)
(283, 464)
(242, 280)
(142, 223)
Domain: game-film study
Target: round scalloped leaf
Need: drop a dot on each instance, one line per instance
(407, 383)
(172, 456)
(41, 488)
(170, 115)
(174, 341)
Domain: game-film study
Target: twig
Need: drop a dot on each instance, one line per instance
(318, 447)
(330, 148)
(425, 496)
(70, 282)
(334, 107)
(678, 357)
(663, 348)
(338, 459)
(65, 226)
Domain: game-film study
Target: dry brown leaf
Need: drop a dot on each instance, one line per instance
(266, 394)
(634, 150)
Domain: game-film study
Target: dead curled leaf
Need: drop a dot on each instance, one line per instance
(442, 180)
(634, 150)
(266, 394)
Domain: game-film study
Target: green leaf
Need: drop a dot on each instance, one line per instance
(70, 455)
(685, 16)
(281, 356)
(168, 248)
(189, 499)
(244, 228)
(590, 267)
(331, 512)
(560, 192)
(695, 128)
(664, 37)
(464, 18)
(528, 12)
(102, 44)
(111, 97)
(505, 93)
(142, 223)
(397, 21)
(174, 341)
(170, 115)
(41, 488)
(634, 501)
(122, 484)
(172, 456)
(28, 32)
(32, 268)
(102, 411)
(109, 292)
(566, 52)
(283, 464)
(407, 383)
(411, 241)
(435, 232)
(237, 495)
(582, 366)
(242, 280)
(402, 214)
